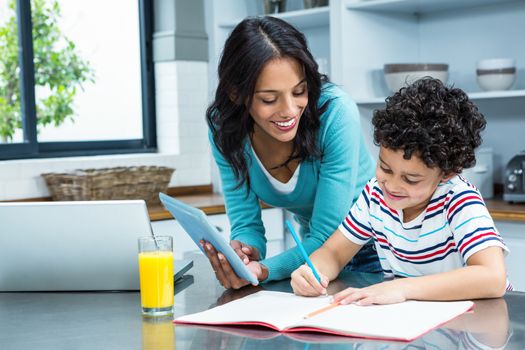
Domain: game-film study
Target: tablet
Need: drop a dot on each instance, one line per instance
(197, 226)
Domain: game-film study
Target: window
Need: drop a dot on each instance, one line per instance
(76, 78)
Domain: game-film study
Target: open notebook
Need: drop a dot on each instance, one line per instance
(285, 312)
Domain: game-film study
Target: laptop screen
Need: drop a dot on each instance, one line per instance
(71, 245)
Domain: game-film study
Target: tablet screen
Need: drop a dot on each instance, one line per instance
(197, 226)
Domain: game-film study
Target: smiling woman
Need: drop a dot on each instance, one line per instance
(278, 104)
(282, 134)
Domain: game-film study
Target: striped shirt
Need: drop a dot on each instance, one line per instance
(455, 225)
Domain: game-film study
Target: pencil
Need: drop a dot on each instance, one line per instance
(323, 309)
(303, 252)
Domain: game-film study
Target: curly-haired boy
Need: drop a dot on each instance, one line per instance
(428, 223)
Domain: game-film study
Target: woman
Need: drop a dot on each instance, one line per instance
(281, 134)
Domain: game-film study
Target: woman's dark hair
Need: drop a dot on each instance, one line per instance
(253, 43)
(437, 123)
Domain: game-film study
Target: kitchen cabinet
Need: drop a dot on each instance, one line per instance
(457, 32)
(183, 245)
(353, 39)
(513, 234)
(358, 36)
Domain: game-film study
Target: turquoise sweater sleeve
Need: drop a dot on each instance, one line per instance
(345, 167)
(242, 207)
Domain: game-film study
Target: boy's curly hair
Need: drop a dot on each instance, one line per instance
(437, 123)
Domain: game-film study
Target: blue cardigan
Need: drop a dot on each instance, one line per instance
(326, 187)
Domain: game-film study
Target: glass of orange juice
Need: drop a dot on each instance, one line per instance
(156, 275)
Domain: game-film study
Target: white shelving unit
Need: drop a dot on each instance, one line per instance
(417, 6)
(475, 96)
(311, 18)
(497, 94)
(457, 32)
(357, 37)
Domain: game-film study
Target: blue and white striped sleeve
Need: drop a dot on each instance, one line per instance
(356, 225)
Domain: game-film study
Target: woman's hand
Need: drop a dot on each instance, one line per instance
(225, 273)
(390, 292)
(246, 252)
(304, 282)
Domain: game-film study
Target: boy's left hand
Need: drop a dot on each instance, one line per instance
(390, 292)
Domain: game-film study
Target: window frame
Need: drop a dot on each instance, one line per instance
(30, 147)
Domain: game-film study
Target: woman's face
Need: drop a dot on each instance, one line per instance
(280, 97)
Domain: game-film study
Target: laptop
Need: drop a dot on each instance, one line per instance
(73, 246)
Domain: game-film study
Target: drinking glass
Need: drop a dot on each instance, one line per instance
(156, 275)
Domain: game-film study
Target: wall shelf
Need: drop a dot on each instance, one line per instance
(418, 6)
(370, 101)
(310, 18)
(497, 94)
(475, 96)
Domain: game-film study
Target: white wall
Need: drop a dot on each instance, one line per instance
(181, 96)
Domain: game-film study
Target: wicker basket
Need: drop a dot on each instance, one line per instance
(140, 182)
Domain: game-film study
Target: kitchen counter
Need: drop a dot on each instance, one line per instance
(210, 203)
(213, 203)
(202, 197)
(501, 210)
(112, 320)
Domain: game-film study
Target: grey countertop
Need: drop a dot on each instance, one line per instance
(112, 320)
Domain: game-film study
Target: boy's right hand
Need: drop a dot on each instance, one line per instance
(304, 282)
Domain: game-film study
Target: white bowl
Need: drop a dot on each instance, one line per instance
(398, 75)
(496, 74)
(496, 81)
(496, 63)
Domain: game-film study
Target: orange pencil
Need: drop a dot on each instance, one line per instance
(321, 310)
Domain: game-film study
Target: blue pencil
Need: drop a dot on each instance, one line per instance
(303, 252)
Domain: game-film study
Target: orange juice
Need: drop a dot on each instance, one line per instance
(156, 279)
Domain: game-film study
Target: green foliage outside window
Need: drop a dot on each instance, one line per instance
(59, 70)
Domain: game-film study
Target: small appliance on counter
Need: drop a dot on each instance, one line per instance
(481, 175)
(515, 179)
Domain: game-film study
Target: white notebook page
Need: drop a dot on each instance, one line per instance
(275, 308)
(405, 321)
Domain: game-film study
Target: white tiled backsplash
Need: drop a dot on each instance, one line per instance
(182, 98)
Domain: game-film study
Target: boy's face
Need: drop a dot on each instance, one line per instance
(407, 185)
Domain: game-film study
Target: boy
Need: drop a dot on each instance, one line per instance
(428, 223)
